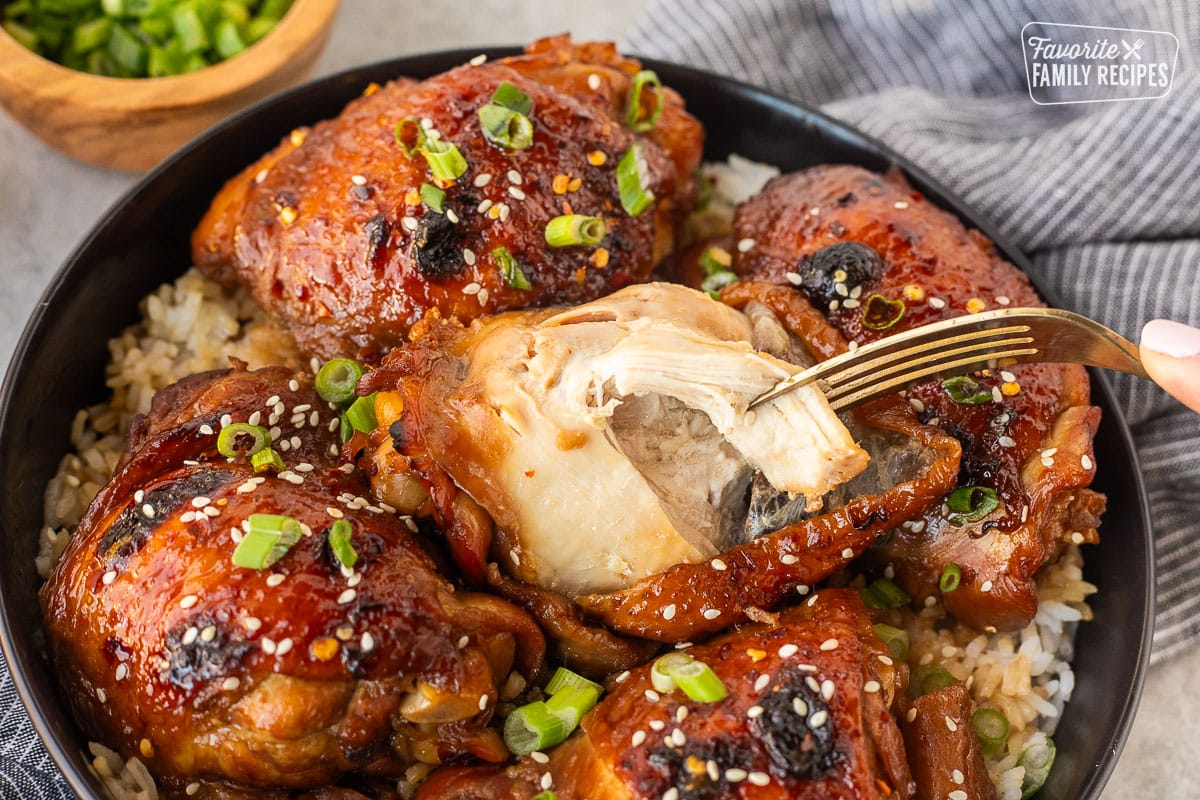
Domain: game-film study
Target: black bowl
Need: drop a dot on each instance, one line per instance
(143, 241)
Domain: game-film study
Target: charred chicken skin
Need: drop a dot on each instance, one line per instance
(282, 677)
(331, 233)
(876, 258)
(809, 714)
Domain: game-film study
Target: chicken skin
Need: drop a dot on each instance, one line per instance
(876, 258)
(809, 714)
(237, 678)
(334, 235)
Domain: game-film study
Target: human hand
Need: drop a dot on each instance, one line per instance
(1171, 354)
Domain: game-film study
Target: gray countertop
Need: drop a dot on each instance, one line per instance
(48, 203)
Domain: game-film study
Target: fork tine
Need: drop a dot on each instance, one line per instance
(978, 359)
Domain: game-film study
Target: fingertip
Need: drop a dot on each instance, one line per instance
(1171, 338)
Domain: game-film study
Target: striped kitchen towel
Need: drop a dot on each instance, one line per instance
(1104, 197)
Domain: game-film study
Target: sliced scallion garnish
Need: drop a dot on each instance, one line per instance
(339, 542)
(929, 678)
(966, 390)
(506, 127)
(991, 726)
(570, 703)
(242, 439)
(434, 197)
(971, 504)
(884, 593)
(337, 378)
(509, 96)
(532, 727)
(361, 414)
(660, 676)
(268, 540)
(880, 313)
(267, 459)
(634, 116)
(632, 182)
(1038, 760)
(895, 638)
(510, 270)
(950, 579)
(444, 159)
(575, 229)
(564, 677)
(695, 678)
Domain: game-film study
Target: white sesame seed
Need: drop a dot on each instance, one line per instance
(212, 511)
(1077, 537)
(283, 647)
(811, 683)
(209, 633)
(427, 123)
(268, 646)
(594, 82)
(252, 623)
(638, 738)
(471, 288)
(951, 725)
(463, 641)
(668, 613)
(294, 385)
(139, 495)
(516, 558)
(652, 695)
(900, 204)
(818, 719)
(482, 179)
(483, 296)
(799, 706)
(851, 303)
(101, 695)
(936, 302)
(355, 579)
(803, 589)
(957, 776)
(540, 757)
(711, 613)
(193, 788)
(827, 689)
(1006, 441)
(188, 601)
(347, 596)
(122, 672)
(624, 676)
(657, 725)
(713, 773)
(745, 245)
(1049, 451)
(504, 212)
(469, 256)
(1047, 462)
(1002, 300)
(911, 715)
(189, 636)
(477, 60)
(834, 305)
(793, 278)
(483, 206)
(986, 586)
(514, 177)
(206, 430)
(483, 700)
(1085, 461)
(997, 396)
(109, 577)
(516, 193)
(841, 289)
(547, 780)
(758, 778)
(957, 794)
(452, 216)
(275, 578)
(718, 565)
(358, 180)
(762, 682)
(671, 794)
(735, 775)
(870, 687)
(848, 553)
(678, 737)
(229, 684)
(788, 559)
(788, 650)
(829, 644)
(916, 404)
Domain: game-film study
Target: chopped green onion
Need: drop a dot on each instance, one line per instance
(268, 540)
(339, 542)
(951, 578)
(227, 41)
(505, 127)
(92, 35)
(972, 503)
(510, 270)
(716, 281)
(1037, 760)
(879, 313)
(695, 678)
(966, 390)
(434, 197)
(547, 795)
(345, 428)
(929, 678)
(633, 112)
(232, 441)
(575, 229)
(445, 161)
(883, 593)
(991, 726)
(896, 640)
(570, 703)
(337, 378)
(564, 677)
(361, 414)
(532, 727)
(509, 96)
(402, 137)
(189, 28)
(715, 262)
(267, 459)
(632, 182)
(127, 50)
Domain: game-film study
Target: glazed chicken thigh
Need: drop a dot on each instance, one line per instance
(287, 676)
(348, 241)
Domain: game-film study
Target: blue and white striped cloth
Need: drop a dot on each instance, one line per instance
(1105, 198)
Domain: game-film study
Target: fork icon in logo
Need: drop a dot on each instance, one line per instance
(1132, 50)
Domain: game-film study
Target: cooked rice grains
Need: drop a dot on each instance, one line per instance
(194, 325)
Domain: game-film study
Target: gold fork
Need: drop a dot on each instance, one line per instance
(988, 340)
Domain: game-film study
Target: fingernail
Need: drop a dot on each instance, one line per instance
(1171, 338)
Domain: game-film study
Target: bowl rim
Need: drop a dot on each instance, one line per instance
(84, 784)
(303, 22)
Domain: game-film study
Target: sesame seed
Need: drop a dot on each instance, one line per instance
(834, 305)
(799, 706)
(514, 177)
(652, 695)
(850, 303)
(900, 204)
(516, 193)
(848, 553)
(482, 179)
(916, 405)
(793, 278)
(189, 636)
(471, 288)
(188, 601)
(410, 223)
(818, 719)
(477, 60)
(957, 794)
(206, 430)
(671, 794)
(1002, 300)
(668, 613)
(593, 81)
(1006, 441)
(483, 698)
(870, 687)
(355, 579)
(483, 296)
(252, 623)
(275, 578)
(347, 597)
(294, 385)
(951, 725)
(758, 778)
(358, 180)
(229, 684)
(803, 589)
(829, 644)
(788, 650)
(911, 715)
(788, 559)
(209, 633)
(193, 788)
(937, 302)
(638, 738)
(986, 586)
(504, 211)
(745, 245)
(283, 647)
(997, 395)
(678, 737)
(718, 565)
(122, 672)
(812, 601)
(711, 613)
(516, 559)
(735, 775)
(841, 289)
(547, 780)
(1077, 537)
(624, 676)
(463, 641)
(452, 216)
(827, 689)
(540, 757)
(1085, 461)
(148, 510)
(657, 725)
(957, 776)
(713, 773)
(484, 206)
(109, 577)
(762, 682)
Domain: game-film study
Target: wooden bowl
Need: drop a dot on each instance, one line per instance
(132, 123)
